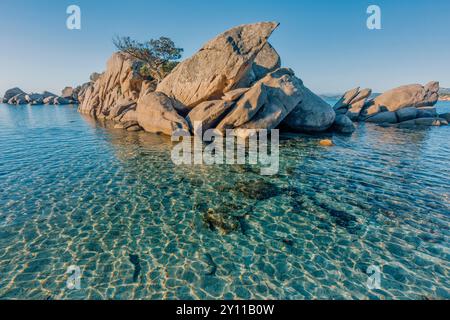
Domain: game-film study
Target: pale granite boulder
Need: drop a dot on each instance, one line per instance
(266, 61)
(414, 95)
(246, 107)
(121, 80)
(156, 114)
(235, 94)
(283, 93)
(219, 66)
(209, 114)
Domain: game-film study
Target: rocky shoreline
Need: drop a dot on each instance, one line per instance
(235, 81)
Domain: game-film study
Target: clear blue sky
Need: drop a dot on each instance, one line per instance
(326, 42)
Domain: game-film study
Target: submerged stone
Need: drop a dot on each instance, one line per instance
(134, 259)
(257, 189)
(223, 222)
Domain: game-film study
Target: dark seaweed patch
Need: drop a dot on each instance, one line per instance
(257, 189)
(212, 266)
(134, 259)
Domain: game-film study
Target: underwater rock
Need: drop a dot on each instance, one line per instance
(223, 222)
(212, 265)
(257, 189)
(134, 259)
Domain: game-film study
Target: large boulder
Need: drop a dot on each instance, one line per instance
(11, 93)
(80, 91)
(343, 124)
(383, 117)
(266, 104)
(423, 122)
(34, 98)
(341, 107)
(120, 107)
(312, 114)
(283, 92)
(68, 93)
(18, 99)
(427, 112)
(414, 95)
(352, 102)
(209, 114)
(266, 61)
(121, 80)
(47, 94)
(406, 114)
(156, 113)
(358, 103)
(219, 66)
(445, 116)
(61, 101)
(235, 94)
(246, 107)
(49, 100)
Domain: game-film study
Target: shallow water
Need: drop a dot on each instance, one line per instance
(73, 193)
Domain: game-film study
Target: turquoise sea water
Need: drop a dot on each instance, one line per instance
(74, 193)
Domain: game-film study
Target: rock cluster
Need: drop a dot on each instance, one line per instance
(405, 106)
(18, 97)
(235, 81)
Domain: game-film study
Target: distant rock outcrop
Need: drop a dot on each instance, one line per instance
(11, 93)
(402, 105)
(18, 97)
(414, 95)
(352, 102)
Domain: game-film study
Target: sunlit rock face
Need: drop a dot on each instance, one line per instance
(121, 81)
(409, 96)
(235, 81)
(220, 65)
